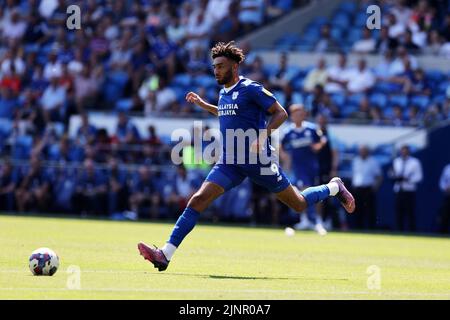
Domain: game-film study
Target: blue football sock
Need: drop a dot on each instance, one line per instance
(315, 194)
(312, 214)
(185, 223)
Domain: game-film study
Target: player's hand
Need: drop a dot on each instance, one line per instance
(194, 98)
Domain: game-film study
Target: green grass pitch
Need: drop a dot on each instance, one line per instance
(220, 262)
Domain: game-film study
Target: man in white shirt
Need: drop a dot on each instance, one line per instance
(338, 76)
(365, 45)
(53, 100)
(407, 174)
(361, 79)
(444, 185)
(366, 179)
(316, 76)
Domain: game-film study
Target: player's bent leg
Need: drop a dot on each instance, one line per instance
(160, 258)
(292, 198)
(311, 196)
(208, 192)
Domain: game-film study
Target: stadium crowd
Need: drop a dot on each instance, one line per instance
(142, 57)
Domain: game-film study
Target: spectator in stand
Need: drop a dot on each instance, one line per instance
(11, 81)
(362, 115)
(53, 101)
(338, 76)
(184, 186)
(280, 79)
(86, 133)
(385, 42)
(255, 71)
(407, 174)
(402, 61)
(396, 29)
(434, 43)
(416, 83)
(366, 180)
(414, 116)
(117, 187)
(87, 86)
(126, 131)
(34, 189)
(317, 76)
(144, 198)
(8, 103)
(157, 101)
(91, 191)
(376, 116)
(53, 67)
(320, 102)
(365, 45)
(251, 14)
(14, 28)
(409, 43)
(397, 118)
(326, 42)
(8, 183)
(361, 79)
(13, 57)
(443, 220)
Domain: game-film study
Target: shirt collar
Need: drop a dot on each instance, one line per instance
(233, 86)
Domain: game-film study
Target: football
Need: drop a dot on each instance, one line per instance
(43, 262)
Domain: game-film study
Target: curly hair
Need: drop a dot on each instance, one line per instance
(228, 50)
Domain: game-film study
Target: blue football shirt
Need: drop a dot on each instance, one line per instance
(243, 107)
(297, 142)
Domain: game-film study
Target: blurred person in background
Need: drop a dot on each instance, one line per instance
(366, 180)
(117, 187)
(91, 191)
(317, 76)
(300, 146)
(8, 183)
(328, 158)
(337, 75)
(34, 189)
(444, 215)
(407, 174)
(144, 198)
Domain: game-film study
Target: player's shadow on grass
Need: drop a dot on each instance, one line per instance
(221, 277)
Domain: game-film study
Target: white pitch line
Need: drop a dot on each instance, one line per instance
(375, 293)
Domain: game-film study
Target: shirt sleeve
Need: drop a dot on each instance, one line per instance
(262, 97)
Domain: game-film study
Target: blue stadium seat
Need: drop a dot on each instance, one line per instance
(399, 99)
(297, 98)
(183, 80)
(360, 20)
(124, 104)
(419, 100)
(297, 84)
(378, 99)
(348, 7)
(341, 20)
(280, 96)
(346, 110)
(270, 69)
(439, 98)
(338, 99)
(205, 81)
(336, 33)
(355, 99)
(354, 35)
(22, 148)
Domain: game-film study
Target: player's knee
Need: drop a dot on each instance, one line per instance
(300, 205)
(199, 201)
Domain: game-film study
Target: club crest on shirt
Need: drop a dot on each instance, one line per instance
(235, 95)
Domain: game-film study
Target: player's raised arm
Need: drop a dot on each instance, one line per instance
(192, 97)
